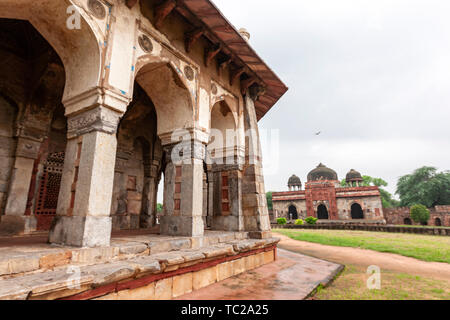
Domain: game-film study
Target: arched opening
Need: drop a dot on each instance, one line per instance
(33, 127)
(223, 136)
(357, 212)
(167, 88)
(322, 212)
(293, 214)
(407, 221)
(223, 204)
(437, 222)
(138, 166)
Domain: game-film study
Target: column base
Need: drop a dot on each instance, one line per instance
(128, 222)
(260, 234)
(17, 225)
(228, 223)
(81, 231)
(182, 226)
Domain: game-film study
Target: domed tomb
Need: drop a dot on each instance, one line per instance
(294, 182)
(322, 172)
(353, 177)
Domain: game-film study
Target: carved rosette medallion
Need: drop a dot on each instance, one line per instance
(214, 89)
(189, 73)
(97, 9)
(145, 43)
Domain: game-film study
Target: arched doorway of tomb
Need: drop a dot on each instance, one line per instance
(33, 127)
(437, 222)
(407, 221)
(138, 166)
(221, 155)
(166, 86)
(322, 212)
(357, 212)
(293, 214)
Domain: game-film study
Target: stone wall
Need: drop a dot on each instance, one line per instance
(401, 216)
(281, 208)
(371, 206)
(8, 147)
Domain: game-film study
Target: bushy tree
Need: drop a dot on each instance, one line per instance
(425, 186)
(159, 207)
(269, 200)
(420, 213)
(386, 198)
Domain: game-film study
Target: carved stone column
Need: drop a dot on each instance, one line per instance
(183, 189)
(84, 204)
(227, 198)
(148, 218)
(15, 221)
(256, 213)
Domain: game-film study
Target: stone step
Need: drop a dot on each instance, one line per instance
(17, 260)
(99, 278)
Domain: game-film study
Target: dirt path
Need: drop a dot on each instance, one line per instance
(365, 258)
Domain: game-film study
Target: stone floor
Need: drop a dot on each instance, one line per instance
(292, 277)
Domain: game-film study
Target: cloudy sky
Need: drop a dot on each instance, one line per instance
(372, 75)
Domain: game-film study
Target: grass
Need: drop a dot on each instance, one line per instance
(351, 285)
(426, 227)
(422, 247)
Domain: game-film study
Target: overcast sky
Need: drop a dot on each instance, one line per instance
(372, 75)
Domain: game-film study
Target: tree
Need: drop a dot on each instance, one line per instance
(159, 208)
(425, 186)
(420, 214)
(269, 200)
(386, 198)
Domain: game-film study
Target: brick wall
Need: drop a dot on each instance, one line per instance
(401, 216)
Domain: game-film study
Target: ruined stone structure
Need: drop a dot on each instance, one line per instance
(101, 99)
(439, 216)
(325, 198)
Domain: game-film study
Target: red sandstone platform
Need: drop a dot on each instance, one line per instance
(292, 277)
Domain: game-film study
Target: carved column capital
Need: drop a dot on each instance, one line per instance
(98, 119)
(185, 151)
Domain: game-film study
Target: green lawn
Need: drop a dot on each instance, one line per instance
(351, 285)
(422, 247)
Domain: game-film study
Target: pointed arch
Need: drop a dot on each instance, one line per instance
(169, 92)
(357, 212)
(78, 49)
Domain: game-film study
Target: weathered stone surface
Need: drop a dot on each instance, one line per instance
(145, 265)
(159, 246)
(204, 278)
(143, 293)
(94, 255)
(191, 256)
(218, 251)
(14, 263)
(169, 258)
(180, 244)
(269, 257)
(55, 260)
(13, 291)
(182, 284)
(109, 273)
(225, 271)
(131, 248)
(163, 289)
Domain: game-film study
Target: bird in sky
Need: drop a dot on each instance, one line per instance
(318, 133)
